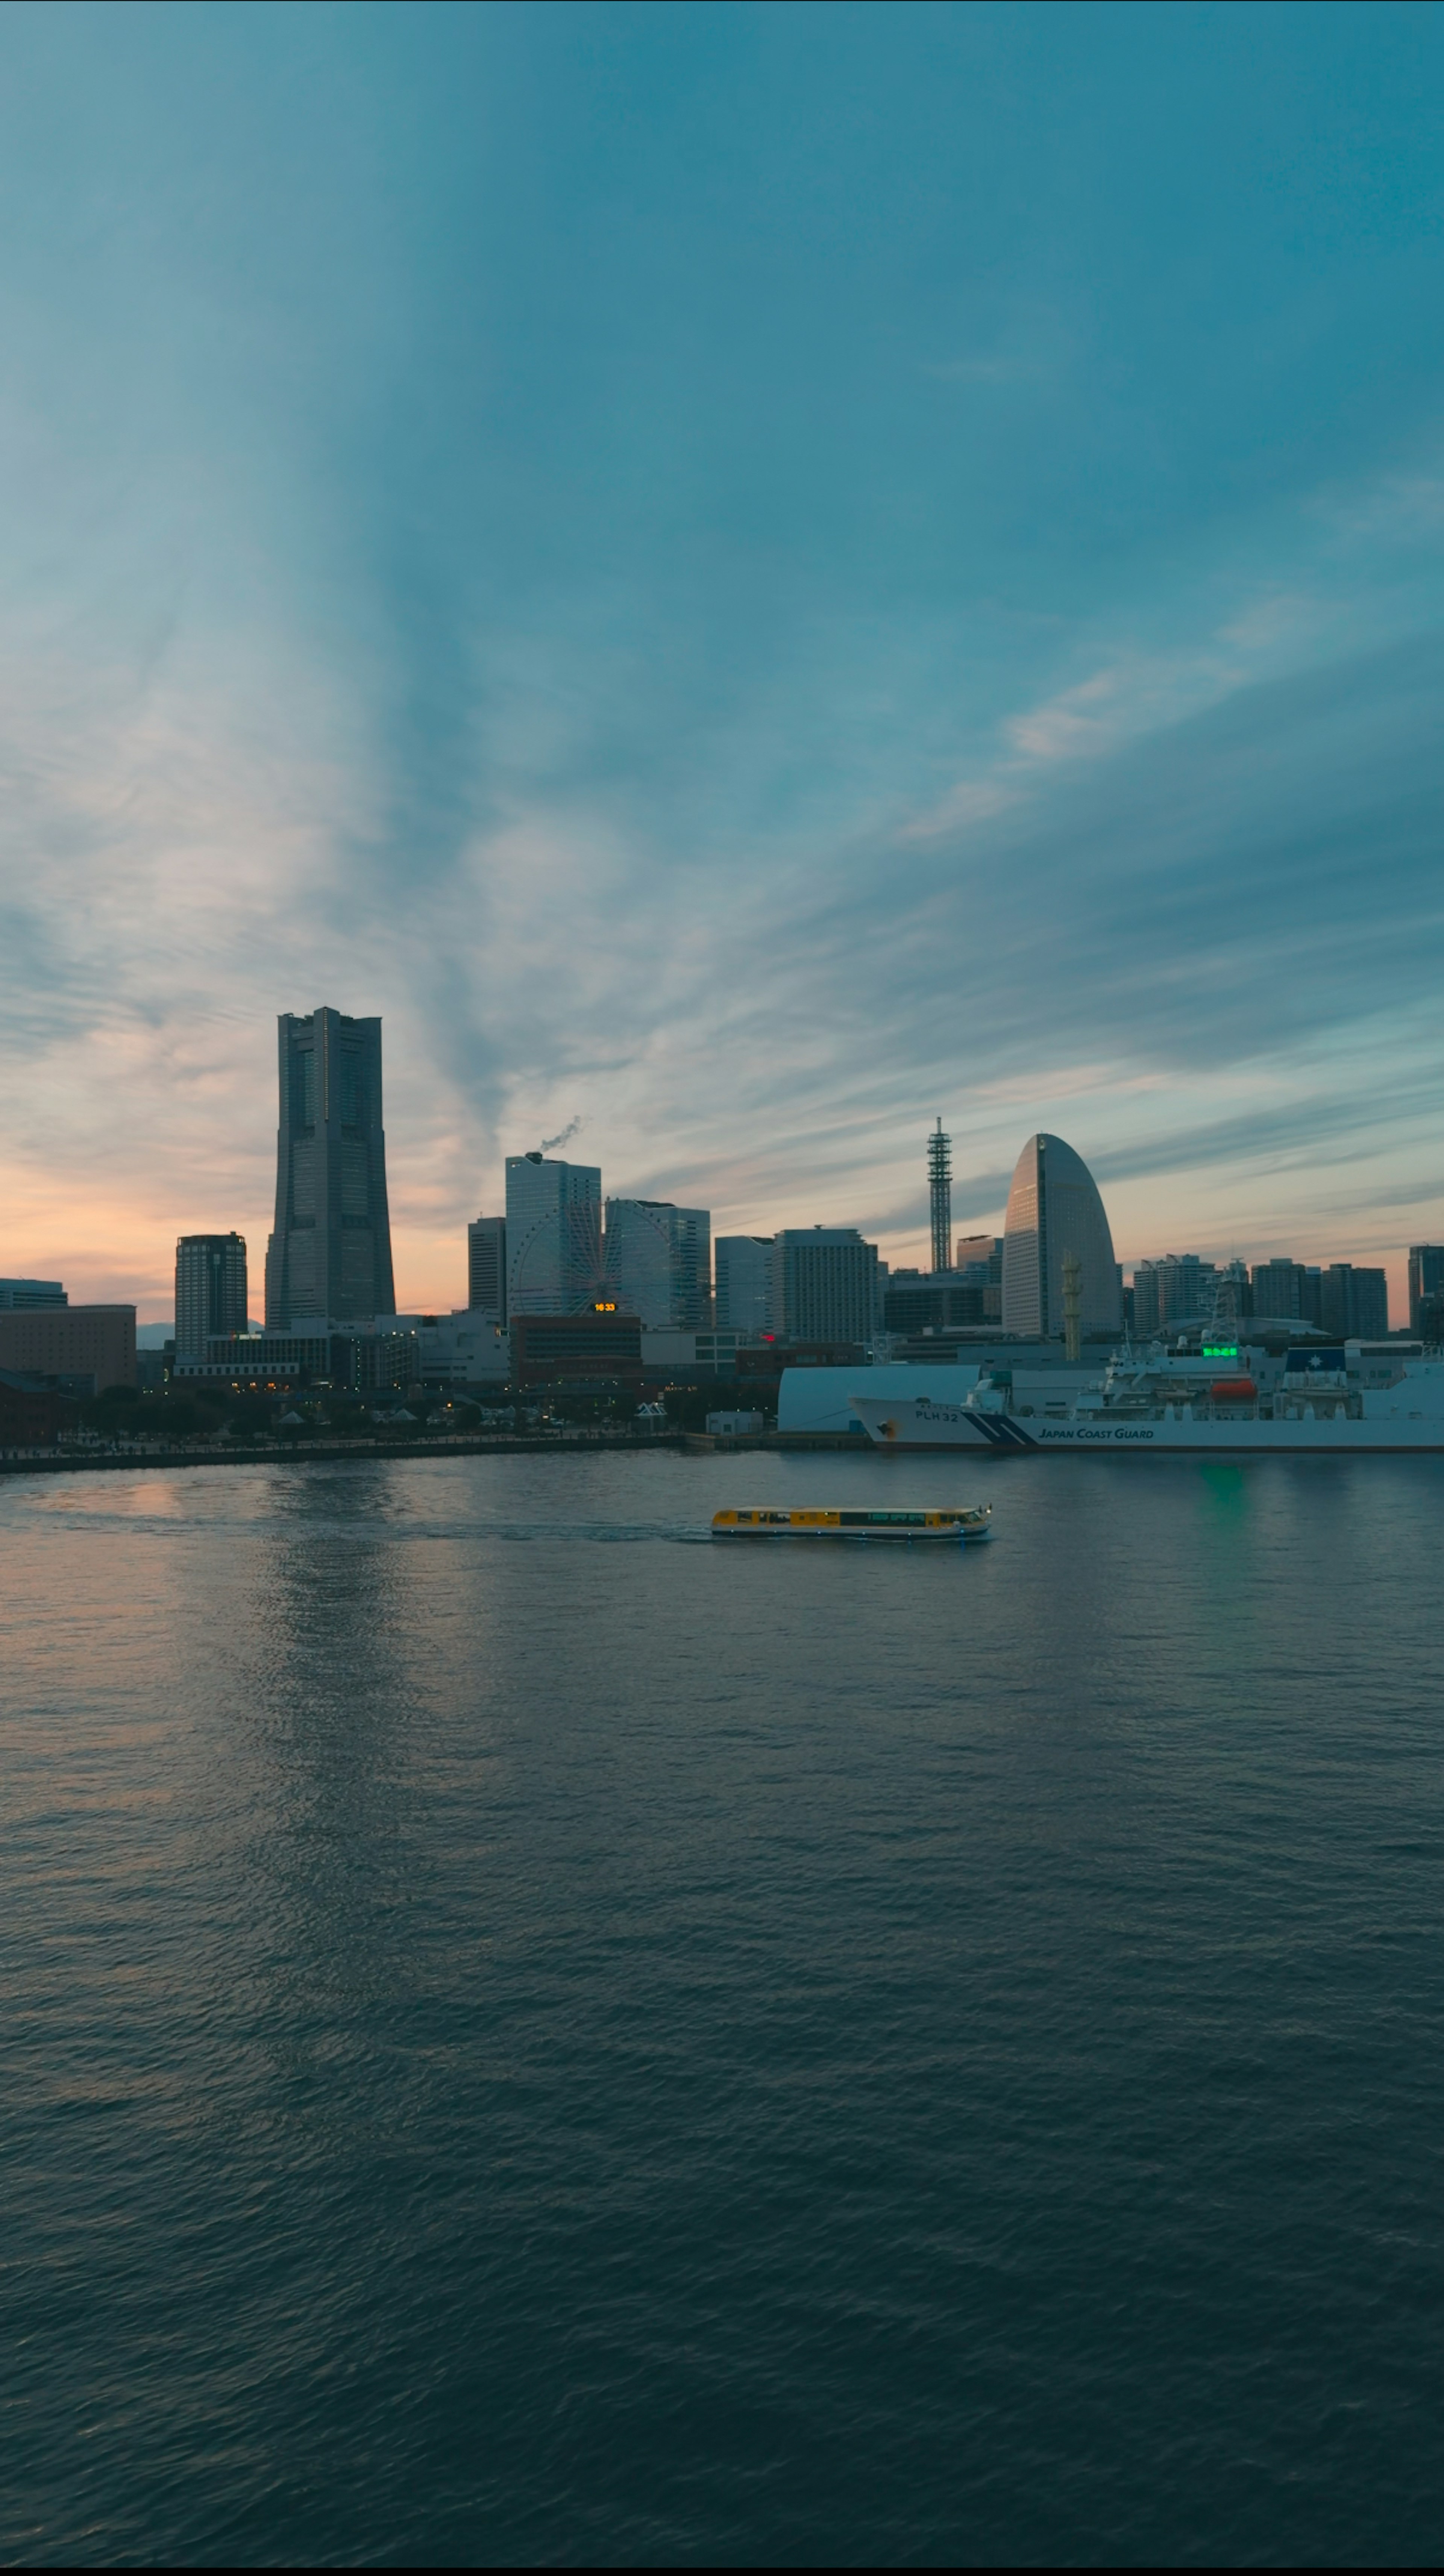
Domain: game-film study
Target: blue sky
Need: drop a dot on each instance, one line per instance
(744, 576)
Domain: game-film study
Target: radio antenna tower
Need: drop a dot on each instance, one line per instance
(940, 1193)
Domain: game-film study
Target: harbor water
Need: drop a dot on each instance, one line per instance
(533, 2036)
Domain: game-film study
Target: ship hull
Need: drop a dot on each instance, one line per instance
(911, 1427)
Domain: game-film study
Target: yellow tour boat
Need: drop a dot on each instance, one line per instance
(963, 1526)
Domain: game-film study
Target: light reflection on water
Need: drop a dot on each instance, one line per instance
(534, 2035)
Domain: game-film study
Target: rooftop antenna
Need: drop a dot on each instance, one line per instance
(940, 1194)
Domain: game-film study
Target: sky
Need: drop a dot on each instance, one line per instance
(748, 578)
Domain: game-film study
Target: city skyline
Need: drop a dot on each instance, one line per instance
(901, 1251)
(696, 668)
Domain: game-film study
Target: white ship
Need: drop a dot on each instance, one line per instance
(1223, 1399)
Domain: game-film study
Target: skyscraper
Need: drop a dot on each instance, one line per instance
(1053, 1209)
(659, 1262)
(486, 1265)
(1278, 1287)
(744, 1283)
(330, 1253)
(825, 1285)
(210, 1290)
(553, 1236)
(1354, 1303)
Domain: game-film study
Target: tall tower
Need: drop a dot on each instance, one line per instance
(1054, 1213)
(940, 1192)
(330, 1253)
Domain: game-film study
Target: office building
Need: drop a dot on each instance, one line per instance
(1426, 1281)
(553, 1236)
(90, 1347)
(743, 1265)
(1054, 1210)
(486, 1266)
(825, 1285)
(329, 1257)
(658, 1263)
(26, 1296)
(210, 1290)
(1355, 1303)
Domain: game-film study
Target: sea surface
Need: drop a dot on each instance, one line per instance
(529, 2035)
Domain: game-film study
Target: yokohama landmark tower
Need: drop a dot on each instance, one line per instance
(330, 1254)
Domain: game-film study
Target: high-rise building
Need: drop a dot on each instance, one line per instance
(1278, 1288)
(210, 1290)
(744, 1283)
(486, 1266)
(940, 1196)
(658, 1262)
(825, 1284)
(329, 1256)
(1182, 1286)
(30, 1296)
(1426, 1281)
(1054, 1209)
(553, 1236)
(1355, 1304)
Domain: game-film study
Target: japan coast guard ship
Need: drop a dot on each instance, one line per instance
(1229, 1399)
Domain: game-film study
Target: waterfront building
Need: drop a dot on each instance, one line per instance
(32, 1409)
(329, 1256)
(1426, 1281)
(464, 1348)
(269, 1363)
(553, 1236)
(25, 1296)
(658, 1262)
(826, 1284)
(486, 1266)
(599, 1348)
(210, 1290)
(744, 1283)
(87, 1347)
(691, 1355)
(1054, 1210)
